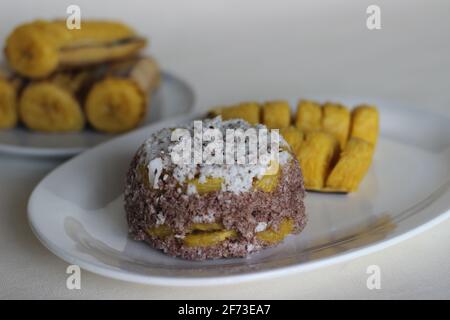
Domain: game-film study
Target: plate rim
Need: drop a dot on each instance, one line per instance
(106, 271)
(183, 281)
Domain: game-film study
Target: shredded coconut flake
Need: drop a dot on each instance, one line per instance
(160, 219)
(155, 168)
(191, 189)
(236, 177)
(208, 218)
(261, 226)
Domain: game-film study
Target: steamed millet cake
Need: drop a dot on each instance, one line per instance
(200, 211)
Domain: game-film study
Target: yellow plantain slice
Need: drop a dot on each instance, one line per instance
(209, 238)
(269, 181)
(276, 114)
(32, 49)
(46, 107)
(8, 105)
(316, 156)
(365, 123)
(161, 231)
(115, 105)
(206, 226)
(210, 185)
(248, 111)
(54, 105)
(94, 32)
(203, 235)
(336, 121)
(143, 172)
(320, 133)
(293, 136)
(274, 236)
(353, 164)
(39, 48)
(82, 56)
(118, 103)
(309, 116)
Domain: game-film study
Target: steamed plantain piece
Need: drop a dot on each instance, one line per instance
(206, 226)
(309, 116)
(274, 236)
(119, 102)
(353, 164)
(333, 145)
(365, 123)
(200, 234)
(336, 121)
(82, 56)
(209, 185)
(46, 107)
(39, 48)
(316, 157)
(8, 104)
(248, 111)
(161, 231)
(115, 105)
(269, 181)
(53, 105)
(208, 238)
(99, 41)
(276, 114)
(293, 136)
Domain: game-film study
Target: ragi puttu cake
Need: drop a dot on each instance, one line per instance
(202, 211)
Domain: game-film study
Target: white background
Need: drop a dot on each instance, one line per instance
(253, 49)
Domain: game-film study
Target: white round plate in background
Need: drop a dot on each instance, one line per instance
(77, 210)
(172, 97)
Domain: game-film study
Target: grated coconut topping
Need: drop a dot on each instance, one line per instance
(236, 177)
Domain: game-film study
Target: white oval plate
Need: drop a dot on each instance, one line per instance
(173, 97)
(77, 210)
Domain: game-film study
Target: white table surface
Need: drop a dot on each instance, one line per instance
(235, 50)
